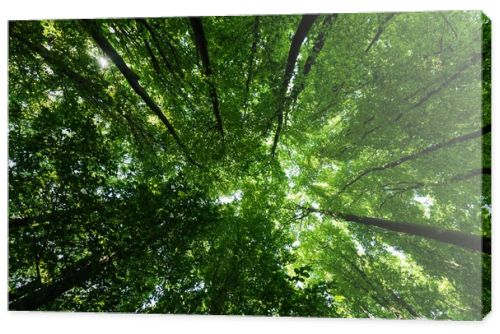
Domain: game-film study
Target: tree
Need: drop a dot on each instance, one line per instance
(333, 165)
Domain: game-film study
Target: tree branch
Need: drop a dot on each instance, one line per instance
(319, 42)
(201, 45)
(132, 79)
(297, 40)
(460, 239)
(380, 30)
(251, 60)
(413, 156)
(32, 296)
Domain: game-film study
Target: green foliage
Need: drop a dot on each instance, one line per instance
(109, 212)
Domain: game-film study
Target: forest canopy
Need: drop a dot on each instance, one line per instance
(326, 165)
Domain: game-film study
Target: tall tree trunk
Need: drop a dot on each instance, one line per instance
(34, 295)
(201, 45)
(460, 239)
(251, 61)
(319, 42)
(297, 40)
(132, 79)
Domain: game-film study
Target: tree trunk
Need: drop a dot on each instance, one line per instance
(319, 42)
(460, 239)
(297, 40)
(32, 296)
(132, 79)
(201, 45)
(251, 61)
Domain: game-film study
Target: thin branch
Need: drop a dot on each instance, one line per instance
(424, 99)
(442, 86)
(413, 156)
(380, 30)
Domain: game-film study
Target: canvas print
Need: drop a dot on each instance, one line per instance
(309, 165)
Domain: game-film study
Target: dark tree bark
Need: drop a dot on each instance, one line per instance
(380, 30)
(471, 174)
(319, 42)
(56, 215)
(132, 79)
(251, 60)
(201, 45)
(486, 170)
(460, 239)
(297, 40)
(486, 129)
(35, 295)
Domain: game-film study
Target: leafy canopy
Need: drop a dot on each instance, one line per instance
(316, 165)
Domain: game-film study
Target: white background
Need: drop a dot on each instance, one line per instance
(38, 322)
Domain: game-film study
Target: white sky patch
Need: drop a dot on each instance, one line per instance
(319, 216)
(236, 196)
(124, 171)
(153, 298)
(292, 171)
(185, 39)
(67, 133)
(127, 159)
(48, 70)
(487, 207)
(426, 202)
(103, 62)
(294, 74)
(396, 252)
(197, 287)
(359, 248)
(329, 298)
(54, 95)
(330, 165)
